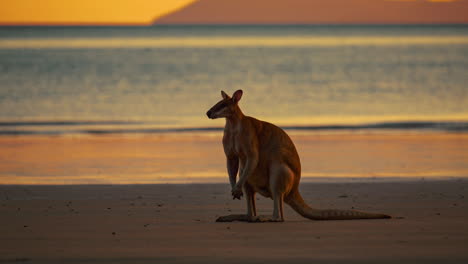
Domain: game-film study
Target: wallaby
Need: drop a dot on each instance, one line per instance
(269, 164)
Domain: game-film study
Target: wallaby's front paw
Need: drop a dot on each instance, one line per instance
(236, 193)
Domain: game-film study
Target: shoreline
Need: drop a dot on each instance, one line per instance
(307, 180)
(142, 128)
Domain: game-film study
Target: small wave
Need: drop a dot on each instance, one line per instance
(444, 126)
(63, 123)
(70, 127)
(228, 41)
(152, 130)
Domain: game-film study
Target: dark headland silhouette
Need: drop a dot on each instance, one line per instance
(319, 12)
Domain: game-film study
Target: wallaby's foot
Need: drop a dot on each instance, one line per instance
(232, 218)
(246, 218)
(264, 218)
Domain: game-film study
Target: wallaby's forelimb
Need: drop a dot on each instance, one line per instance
(233, 168)
(250, 165)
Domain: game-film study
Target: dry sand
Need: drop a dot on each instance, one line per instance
(175, 224)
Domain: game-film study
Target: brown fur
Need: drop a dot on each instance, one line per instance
(268, 163)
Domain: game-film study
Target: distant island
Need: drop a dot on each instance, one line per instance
(320, 12)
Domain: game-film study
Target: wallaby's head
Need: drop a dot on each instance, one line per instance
(226, 107)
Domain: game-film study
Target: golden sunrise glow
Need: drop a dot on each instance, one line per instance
(50, 43)
(86, 11)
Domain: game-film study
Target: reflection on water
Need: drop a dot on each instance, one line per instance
(224, 42)
(198, 158)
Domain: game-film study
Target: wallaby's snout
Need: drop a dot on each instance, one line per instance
(211, 114)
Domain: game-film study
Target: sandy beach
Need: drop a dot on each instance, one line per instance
(176, 224)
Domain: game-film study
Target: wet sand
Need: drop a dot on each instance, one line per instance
(175, 224)
(199, 157)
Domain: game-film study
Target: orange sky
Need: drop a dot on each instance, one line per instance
(220, 11)
(85, 11)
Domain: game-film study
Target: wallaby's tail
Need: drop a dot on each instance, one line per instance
(297, 203)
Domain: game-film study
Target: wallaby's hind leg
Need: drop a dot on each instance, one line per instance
(281, 180)
(278, 207)
(250, 197)
(251, 209)
(277, 211)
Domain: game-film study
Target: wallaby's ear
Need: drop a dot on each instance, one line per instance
(237, 96)
(224, 95)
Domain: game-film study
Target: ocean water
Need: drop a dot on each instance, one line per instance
(129, 103)
(61, 80)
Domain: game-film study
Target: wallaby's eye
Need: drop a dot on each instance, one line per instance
(222, 105)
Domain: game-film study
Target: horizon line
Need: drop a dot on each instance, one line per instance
(71, 24)
(136, 24)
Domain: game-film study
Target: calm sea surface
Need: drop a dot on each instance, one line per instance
(56, 80)
(161, 80)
